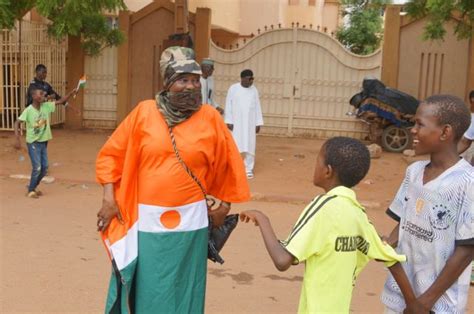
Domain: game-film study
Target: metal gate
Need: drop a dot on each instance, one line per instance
(21, 50)
(100, 94)
(305, 79)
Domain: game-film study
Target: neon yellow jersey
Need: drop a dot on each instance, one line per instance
(336, 240)
(37, 122)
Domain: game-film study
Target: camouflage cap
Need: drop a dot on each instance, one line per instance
(177, 60)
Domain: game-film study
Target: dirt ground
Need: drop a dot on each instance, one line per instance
(53, 262)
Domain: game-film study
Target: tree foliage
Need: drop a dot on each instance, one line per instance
(439, 12)
(363, 31)
(82, 18)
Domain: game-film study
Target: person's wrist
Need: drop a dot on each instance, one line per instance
(410, 299)
(265, 218)
(426, 301)
(108, 198)
(225, 206)
(261, 217)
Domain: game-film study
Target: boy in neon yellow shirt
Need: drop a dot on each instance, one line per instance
(333, 235)
(38, 133)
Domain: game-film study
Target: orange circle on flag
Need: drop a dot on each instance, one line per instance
(170, 219)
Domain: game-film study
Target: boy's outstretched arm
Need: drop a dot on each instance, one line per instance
(280, 256)
(456, 264)
(412, 304)
(64, 99)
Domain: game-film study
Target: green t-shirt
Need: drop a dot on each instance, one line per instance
(336, 240)
(37, 122)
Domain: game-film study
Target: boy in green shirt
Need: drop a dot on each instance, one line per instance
(38, 133)
(333, 235)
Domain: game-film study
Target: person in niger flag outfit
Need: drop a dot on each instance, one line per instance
(154, 216)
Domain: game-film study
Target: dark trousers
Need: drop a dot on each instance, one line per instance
(39, 162)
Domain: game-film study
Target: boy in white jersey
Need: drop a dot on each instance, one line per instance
(435, 210)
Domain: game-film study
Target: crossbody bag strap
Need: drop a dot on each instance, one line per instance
(210, 202)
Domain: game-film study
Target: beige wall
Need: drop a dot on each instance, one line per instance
(225, 13)
(326, 15)
(331, 16)
(223, 38)
(247, 16)
(255, 14)
(136, 5)
(429, 68)
(305, 15)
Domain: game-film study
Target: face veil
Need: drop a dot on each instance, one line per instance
(177, 107)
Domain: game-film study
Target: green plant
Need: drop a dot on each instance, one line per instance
(82, 18)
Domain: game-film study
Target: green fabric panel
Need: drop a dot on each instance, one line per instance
(171, 272)
(112, 306)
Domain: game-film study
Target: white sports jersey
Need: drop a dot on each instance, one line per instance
(434, 218)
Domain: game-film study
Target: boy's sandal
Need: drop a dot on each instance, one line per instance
(39, 193)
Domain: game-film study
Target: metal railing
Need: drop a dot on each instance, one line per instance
(21, 50)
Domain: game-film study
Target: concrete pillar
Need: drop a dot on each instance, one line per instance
(391, 46)
(123, 70)
(181, 17)
(203, 33)
(75, 61)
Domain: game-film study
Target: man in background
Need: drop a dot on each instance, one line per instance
(207, 84)
(39, 82)
(243, 116)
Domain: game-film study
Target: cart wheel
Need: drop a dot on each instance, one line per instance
(395, 139)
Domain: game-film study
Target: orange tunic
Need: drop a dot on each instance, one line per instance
(140, 160)
(164, 212)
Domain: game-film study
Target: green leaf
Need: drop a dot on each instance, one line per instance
(363, 33)
(439, 12)
(82, 18)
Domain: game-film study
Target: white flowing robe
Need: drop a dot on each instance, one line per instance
(242, 109)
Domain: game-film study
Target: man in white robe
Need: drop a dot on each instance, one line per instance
(207, 84)
(243, 116)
